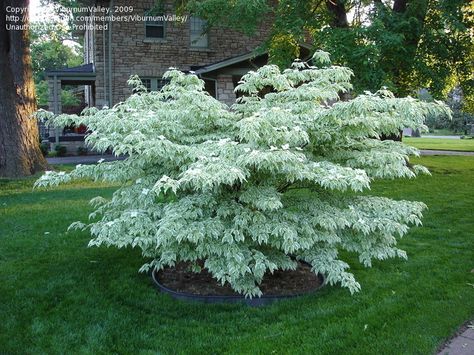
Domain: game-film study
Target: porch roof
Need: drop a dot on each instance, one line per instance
(253, 59)
(82, 74)
(223, 63)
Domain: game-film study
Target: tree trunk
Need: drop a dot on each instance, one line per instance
(20, 154)
(392, 137)
(399, 6)
(338, 13)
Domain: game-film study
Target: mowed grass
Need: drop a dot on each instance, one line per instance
(466, 145)
(58, 296)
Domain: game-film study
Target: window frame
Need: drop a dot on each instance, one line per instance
(149, 24)
(202, 33)
(156, 83)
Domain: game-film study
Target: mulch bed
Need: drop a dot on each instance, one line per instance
(280, 283)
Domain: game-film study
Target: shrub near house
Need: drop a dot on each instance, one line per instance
(205, 183)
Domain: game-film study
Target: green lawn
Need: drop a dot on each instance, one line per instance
(58, 296)
(444, 132)
(466, 145)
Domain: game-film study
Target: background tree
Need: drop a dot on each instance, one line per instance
(402, 44)
(461, 120)
(20, 154)
(53, 47)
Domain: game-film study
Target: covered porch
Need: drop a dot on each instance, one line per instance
(82, 76)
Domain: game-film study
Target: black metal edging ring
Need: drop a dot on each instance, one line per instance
(253, 302)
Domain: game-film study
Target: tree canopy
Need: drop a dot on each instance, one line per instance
(404, 45)
(50, 50)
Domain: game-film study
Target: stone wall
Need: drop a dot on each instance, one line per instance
(225, 89)
(51, 95)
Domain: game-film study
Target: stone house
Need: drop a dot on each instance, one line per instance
(144, 42)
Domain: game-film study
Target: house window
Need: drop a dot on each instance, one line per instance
(199, 38)
(147, 84)
(154, 28)
(154, 84)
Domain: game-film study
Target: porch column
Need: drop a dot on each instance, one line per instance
(225, 89)
(54, 104)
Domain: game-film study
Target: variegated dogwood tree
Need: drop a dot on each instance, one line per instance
(254, 188)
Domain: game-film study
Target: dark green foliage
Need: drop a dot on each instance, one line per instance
(404, 45)
(57, 294)
(49, 52)
(67, 96)
(44, 148)
(60, 150)
(239, 14)
(81, 151)
(427, 45)
(461, 120)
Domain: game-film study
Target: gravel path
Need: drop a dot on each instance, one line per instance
(84, 159)
(444, 152)
(443, 137)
